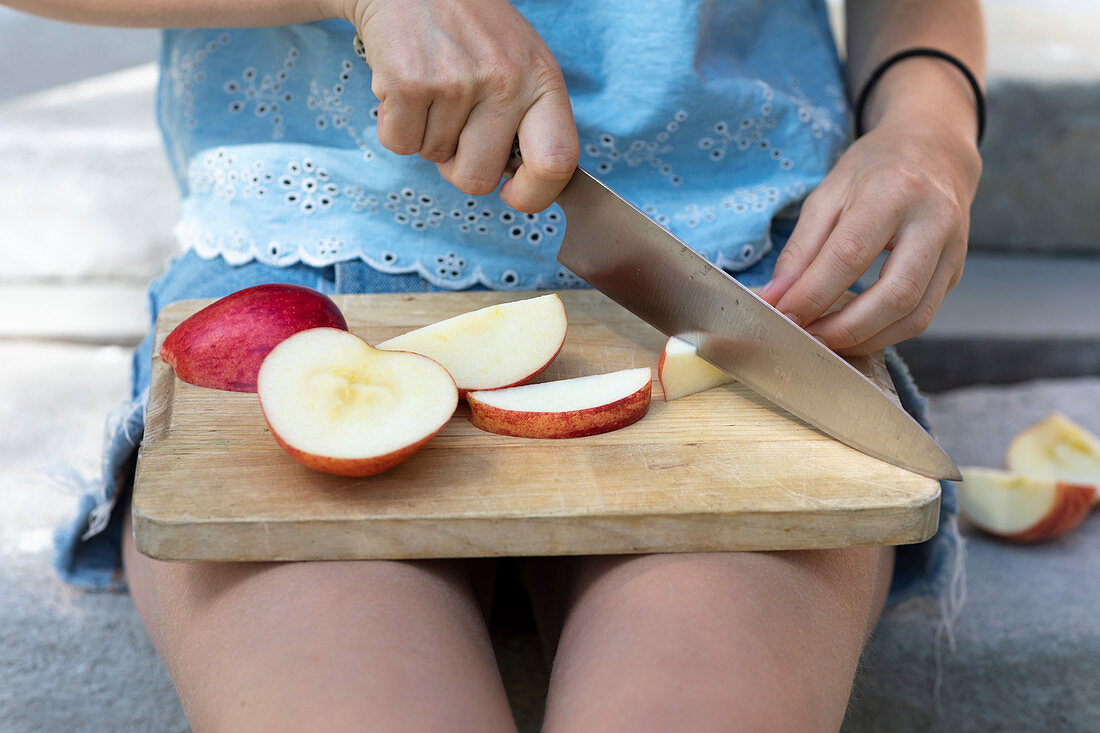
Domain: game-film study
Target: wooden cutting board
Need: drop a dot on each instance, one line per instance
(719, 470)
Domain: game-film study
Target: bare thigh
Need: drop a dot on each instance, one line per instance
(322, 645)
(713, 642)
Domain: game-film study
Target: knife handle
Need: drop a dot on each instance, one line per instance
(515, 158)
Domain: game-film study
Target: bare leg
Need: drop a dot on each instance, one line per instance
(715, 642)
(393, 646)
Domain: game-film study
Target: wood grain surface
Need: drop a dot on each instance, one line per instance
(719, 470)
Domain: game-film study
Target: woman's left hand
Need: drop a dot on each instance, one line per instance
(903, 187)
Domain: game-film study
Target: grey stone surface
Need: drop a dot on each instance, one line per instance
(1040, 186)
(69, 660)
(1013, 317)
(1027, 642)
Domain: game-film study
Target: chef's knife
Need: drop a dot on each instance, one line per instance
(641, 266)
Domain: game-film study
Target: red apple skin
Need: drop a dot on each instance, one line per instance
(223, 345)
(353, 466)
(1072, 505)
(572, 424)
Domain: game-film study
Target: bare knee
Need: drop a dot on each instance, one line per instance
(753, 641)
(322, 646)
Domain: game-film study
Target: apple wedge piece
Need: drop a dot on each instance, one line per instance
(1022, 508)
(223, 345)
(497, 346)
(338, 405)
(681, 372)
(1056, 448)
(567, 408)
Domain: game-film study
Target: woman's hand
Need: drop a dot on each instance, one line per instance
(458, 80)
(906, 186)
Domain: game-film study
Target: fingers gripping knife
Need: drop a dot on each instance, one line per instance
(641, 266)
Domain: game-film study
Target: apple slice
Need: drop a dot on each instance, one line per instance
(1056, 448)
(682, 373)
(338, 405)
(1022, 508)
(498, 346)
(223, 345)
(567, 408)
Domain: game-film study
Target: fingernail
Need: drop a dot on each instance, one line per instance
(793, 317)
(767, 286)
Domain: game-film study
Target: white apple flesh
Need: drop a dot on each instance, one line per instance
(682, 372)
(567, 408)
(498, 346)
(1056, 448)
(1022, 508)
(338, 405)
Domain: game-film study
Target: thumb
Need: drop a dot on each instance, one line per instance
(547, 137)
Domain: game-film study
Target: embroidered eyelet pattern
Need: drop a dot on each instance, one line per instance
(327, 190)
(607, 154)
(818, 118)
(450, 266)
(753, 200)
(264, 95)
(215, 174)
(533, 229)
(566, 279)
(328, 248)
(184, 74)
(413, 209)
(258, 181)
(361, 201)
(335, 112)
(750, 133)
(662, 219)
(308, 187)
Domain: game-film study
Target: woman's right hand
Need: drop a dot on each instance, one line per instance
(458, 80)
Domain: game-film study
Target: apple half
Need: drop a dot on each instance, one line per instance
(1056, 448)
(1022, 508)
(223, 345)
(338, 405)
(497, 346)
(567, 408)
(682, 372)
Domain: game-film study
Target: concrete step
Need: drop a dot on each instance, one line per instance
(83, 312)
(1040, 186)
(85, 189)
(52, 53)
(1013, 317)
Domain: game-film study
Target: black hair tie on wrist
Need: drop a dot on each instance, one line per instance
(881, 69)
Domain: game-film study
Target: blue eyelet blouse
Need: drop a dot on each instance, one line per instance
(712, 116)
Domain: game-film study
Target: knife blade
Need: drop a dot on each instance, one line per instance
(627, 256)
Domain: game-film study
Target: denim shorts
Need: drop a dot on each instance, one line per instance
(89, 548)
